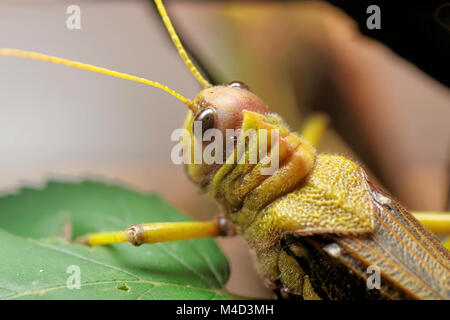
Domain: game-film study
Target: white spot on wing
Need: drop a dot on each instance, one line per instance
(332, 249)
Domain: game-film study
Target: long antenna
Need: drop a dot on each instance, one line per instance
(176, 41)
(76, 64)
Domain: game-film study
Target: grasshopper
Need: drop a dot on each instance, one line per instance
(317, 225)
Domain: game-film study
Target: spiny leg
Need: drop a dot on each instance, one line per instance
(446, 243)
(436, 222)
(159, 232)
(314, 128)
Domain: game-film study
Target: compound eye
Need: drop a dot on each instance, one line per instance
(238, 84)
(207, 118)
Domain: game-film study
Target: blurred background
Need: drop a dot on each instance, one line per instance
(386, 92)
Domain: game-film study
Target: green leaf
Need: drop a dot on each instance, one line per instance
(34, 261)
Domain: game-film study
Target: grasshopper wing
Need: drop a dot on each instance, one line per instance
(408, 260)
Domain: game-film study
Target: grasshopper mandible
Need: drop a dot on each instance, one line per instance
(316, 225)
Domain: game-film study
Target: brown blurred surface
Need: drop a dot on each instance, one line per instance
(61, 123)
(306, 56)
(298, 57)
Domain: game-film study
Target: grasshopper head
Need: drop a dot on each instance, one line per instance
(219, 108)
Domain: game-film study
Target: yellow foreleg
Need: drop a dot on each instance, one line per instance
(314, 128)
(154, 232)
(437, 222)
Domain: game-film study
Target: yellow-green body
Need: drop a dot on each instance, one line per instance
(316, 203)
(315, 225)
